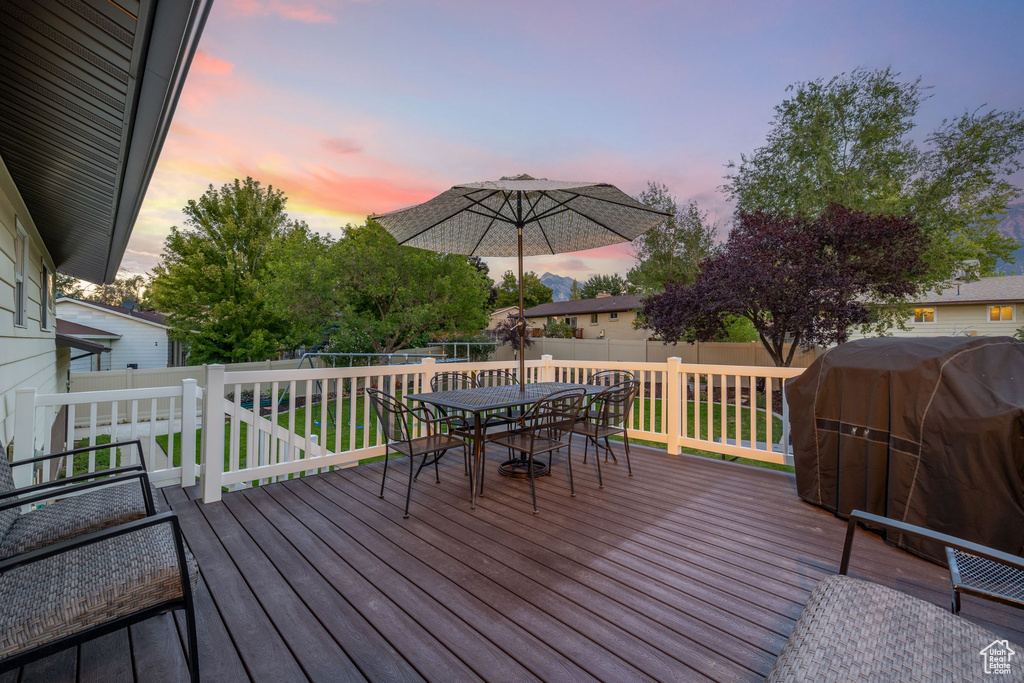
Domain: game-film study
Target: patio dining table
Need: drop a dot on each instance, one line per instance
(483, 400)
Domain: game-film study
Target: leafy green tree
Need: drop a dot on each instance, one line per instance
(213, 274)
(302, 285)
(393, 297)
(556, 329)
(612, 285)
(672, 251)
(575, 292)
(123, 288)
(535, 292)
(852, 141)
(69, 286)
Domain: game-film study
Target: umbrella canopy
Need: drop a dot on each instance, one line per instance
(522, 216)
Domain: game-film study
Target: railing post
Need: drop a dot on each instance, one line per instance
(189, 399)
(547, 368)
(429, 370)
(24, 434)
(212, 468)
(787, 451)
(675, 391)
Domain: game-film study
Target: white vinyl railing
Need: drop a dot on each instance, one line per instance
(260, 426)
(264, 425)
(100, 417)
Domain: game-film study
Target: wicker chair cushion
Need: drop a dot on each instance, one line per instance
(7, 517)
(853, 630)
(73, 591)
(93, 511)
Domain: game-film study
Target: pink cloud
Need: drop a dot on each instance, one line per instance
(207, 65)
(308, 11)
(342, 146)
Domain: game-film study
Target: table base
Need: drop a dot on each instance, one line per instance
(520, 469)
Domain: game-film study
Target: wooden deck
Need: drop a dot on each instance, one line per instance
(692, 568)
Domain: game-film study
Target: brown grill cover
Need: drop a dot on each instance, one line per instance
(929, 431)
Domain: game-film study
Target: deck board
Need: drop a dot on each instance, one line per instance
(692, 568)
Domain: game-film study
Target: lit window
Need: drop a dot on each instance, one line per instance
(1000, 314)
(20, 293)
(614, 315)
(924, 315)
(593, 318)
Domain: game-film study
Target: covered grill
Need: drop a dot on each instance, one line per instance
(929, 431)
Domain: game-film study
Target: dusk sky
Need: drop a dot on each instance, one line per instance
(358, 107)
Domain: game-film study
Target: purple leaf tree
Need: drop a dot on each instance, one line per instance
(802, 282)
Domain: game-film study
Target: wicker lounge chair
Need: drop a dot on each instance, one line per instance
(857, 630)
(69, 592)
(122, 494)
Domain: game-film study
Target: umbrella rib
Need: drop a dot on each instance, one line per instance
(431, 227)
(533, 207)
(558, 204)
(488, 229)
(642, 207)
(616, 233)
(545, 234)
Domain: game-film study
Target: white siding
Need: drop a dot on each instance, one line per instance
(958, 320)
(141, 341)
(28, 355)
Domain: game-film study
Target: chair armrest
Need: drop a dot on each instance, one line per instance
(59, 483)
(85, 449)
(903, 527)
(33, 556)
(143, 477)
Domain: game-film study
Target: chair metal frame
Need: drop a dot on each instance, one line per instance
(610, 378)
(607, 414)
(186, 601)
(540, 430)
(396, 420)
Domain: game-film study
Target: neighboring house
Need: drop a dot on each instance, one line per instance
(89, 91)
(990, 306)
(499, 315)
(604, 317)
(92, 342)
(139, 337)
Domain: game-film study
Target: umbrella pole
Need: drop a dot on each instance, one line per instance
(522, 320)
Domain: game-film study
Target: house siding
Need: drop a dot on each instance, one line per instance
(958, 320)
(141, 342)
(29, 356)
(621, 329)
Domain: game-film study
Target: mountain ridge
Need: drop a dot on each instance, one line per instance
(560, 285)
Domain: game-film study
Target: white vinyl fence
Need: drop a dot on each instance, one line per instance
(262, 425)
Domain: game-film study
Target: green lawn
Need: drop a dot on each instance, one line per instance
(327, 433)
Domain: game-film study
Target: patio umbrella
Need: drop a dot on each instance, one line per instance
(522, 216)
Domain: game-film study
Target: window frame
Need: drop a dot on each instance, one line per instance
(20, 272)
(613, 316)
(1013, 313)
(593, 319)
(935, 315)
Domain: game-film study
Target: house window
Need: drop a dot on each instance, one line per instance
(45, 297)
(614, 315)
(1000, 314)
(924, 315)
(20, 257)
(570, 320)
(593, 318)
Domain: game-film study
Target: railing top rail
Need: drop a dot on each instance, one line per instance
(756, 370)
(106, 396)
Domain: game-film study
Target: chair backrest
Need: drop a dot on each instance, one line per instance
(556, 413)
(614, 404)
(392, 415)
(451, 381)
(609, 378)
(7, 517)
(495, 378)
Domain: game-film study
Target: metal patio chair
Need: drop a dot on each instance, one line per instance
(84, 503)
(610, 378)
(69, 592)
(461, 426)
(607, 414)
(541, 429)
(397, 422)
(495, 378)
